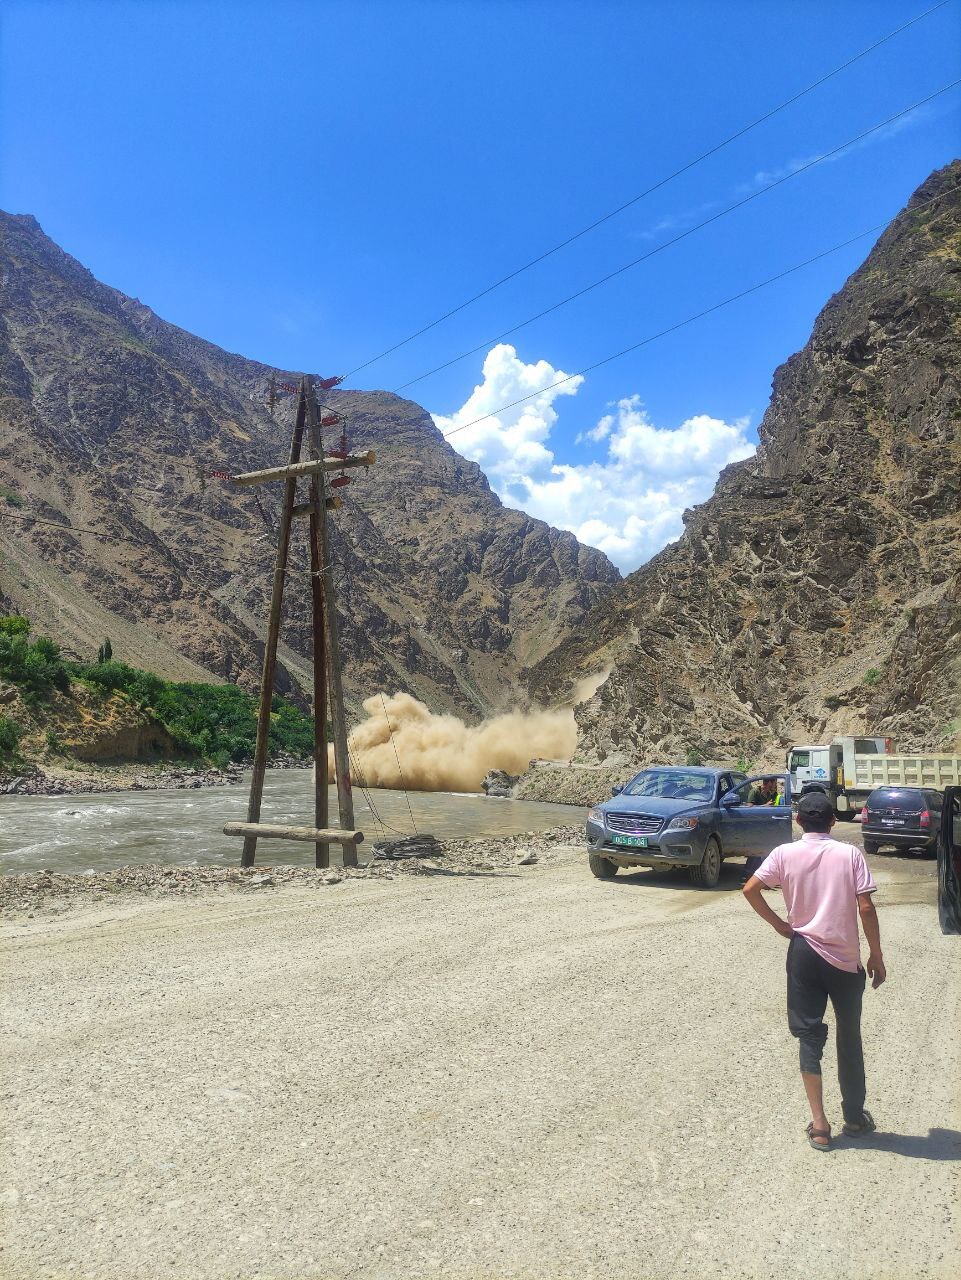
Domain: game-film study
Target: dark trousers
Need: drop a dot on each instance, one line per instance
(811, 981)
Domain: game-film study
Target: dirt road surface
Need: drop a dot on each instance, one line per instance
(524, 1073)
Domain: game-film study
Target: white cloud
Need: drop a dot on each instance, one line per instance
(630, 504)
(509, 446)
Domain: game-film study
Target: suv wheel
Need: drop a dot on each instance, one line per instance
(871, 846)
(603, 869)
(709, 872)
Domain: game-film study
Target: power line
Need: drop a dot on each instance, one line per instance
(681, 324)
(739, 204)
(663, 182)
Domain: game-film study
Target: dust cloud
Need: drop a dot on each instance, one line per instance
(402, 743)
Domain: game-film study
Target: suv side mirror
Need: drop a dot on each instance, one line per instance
(616, 791)
(730, 800)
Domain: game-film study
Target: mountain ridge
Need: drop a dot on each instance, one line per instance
(113, 419)
(818, 591)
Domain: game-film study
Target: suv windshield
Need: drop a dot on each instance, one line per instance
(671, 784)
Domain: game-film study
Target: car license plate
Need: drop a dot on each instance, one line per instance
(892, 822)
(635, 842)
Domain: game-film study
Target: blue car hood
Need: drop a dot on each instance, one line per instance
(662, 806)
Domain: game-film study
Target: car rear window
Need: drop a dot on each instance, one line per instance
(906, 798)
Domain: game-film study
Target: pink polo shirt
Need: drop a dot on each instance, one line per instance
(821, 879)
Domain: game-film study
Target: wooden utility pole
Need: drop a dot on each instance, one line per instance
(328, 686)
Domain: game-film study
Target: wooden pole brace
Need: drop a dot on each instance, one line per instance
(315, 835)
(307, 468)
(333, 503)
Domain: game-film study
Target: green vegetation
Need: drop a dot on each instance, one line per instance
(871, 677)
(10, 497)
(55, 744)
(36, 667)
(694, 756)
(743, 764)
(217, 722)
(9, 736)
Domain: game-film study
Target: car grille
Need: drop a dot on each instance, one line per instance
(634, 824)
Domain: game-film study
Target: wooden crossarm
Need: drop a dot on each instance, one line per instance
(265, 831)
(306, 468)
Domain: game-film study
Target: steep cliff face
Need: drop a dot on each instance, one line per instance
(819, 590)
(113, 420)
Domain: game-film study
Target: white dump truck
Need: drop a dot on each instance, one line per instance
(848, 770)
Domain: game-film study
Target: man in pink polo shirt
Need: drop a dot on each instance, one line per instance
(826, 886)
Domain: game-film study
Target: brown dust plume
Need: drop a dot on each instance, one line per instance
(428, 752)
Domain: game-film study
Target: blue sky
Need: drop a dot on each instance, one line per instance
(306, 184)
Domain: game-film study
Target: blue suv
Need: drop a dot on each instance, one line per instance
(682, 816)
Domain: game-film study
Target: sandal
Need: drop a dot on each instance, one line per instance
(867, 1125)
(813, 1133)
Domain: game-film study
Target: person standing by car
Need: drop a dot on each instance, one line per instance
(826, 886)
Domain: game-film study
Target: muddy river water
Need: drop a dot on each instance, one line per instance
(98, 832)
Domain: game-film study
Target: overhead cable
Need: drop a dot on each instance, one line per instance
(657, 186)
(683, 235)
(681, 324)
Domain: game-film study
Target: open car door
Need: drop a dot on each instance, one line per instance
(949, 862)
(751, 830)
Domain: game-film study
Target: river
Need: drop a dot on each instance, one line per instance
(114, 829)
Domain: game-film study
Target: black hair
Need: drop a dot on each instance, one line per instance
(819, 824)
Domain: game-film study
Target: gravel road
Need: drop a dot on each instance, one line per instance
(522, 1072)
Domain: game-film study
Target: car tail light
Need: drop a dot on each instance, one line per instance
(925, 818)
(864, 814)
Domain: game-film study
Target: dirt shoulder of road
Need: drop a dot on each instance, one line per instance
(484, 1066)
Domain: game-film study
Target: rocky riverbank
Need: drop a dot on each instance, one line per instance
(65, 778)
(29, 893)
(573, 784)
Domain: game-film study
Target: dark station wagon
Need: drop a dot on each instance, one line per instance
(904, 817)
(682, 816)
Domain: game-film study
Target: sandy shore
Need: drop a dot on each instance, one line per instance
(475, 1069)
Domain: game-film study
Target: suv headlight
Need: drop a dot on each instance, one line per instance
(684, 822)
(596, 815)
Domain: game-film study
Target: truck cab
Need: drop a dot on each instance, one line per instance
(828, 768)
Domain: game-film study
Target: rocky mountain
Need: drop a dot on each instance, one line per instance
(818, 591)
(112, 421)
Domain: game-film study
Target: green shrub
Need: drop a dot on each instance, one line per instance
(55, 744)
(216, 721)
(36, 668)
(694, 756)
(11, 497)
(9, 736)
(871, 677)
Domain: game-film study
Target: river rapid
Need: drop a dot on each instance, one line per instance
(99, 832)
